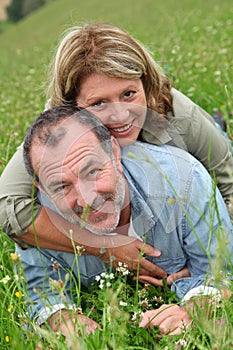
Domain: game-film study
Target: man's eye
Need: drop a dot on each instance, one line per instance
(60, 189)
(93, 171)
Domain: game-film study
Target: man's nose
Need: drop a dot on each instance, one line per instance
(85, 195)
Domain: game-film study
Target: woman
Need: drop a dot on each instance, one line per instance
(102, 68)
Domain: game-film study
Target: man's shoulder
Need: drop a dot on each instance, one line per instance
(139, 150)
(171, 160)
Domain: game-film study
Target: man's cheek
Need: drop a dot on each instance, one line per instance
(106, 183)
(64, 204)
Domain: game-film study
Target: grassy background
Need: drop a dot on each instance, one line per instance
(192, 41)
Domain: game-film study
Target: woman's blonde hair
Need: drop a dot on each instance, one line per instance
(105, 49)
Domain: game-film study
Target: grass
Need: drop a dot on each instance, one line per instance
(192, 41)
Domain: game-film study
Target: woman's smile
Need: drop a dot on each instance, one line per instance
(119, 103)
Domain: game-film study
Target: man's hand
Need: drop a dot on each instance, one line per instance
(68, 322)
(131, 253)
(170, 279)
(171, 319)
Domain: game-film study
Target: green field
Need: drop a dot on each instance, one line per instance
(193, 43)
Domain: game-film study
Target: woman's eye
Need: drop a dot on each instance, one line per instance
(98, 104)
(129, 94)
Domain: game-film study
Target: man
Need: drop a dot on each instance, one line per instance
(159, 194)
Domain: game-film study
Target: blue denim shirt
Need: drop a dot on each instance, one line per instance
(173, 207)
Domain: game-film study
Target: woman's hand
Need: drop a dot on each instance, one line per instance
(131, 251)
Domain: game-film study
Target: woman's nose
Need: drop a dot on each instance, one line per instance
(117, 112)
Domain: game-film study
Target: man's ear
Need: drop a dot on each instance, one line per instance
(117, 153)
(39, 186)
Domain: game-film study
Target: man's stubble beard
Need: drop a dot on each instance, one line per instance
(119, 201)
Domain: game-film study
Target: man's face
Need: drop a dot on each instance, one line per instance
(81, 179)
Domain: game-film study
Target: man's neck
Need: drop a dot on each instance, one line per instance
(124, 222)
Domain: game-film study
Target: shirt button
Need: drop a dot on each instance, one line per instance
(9, 200)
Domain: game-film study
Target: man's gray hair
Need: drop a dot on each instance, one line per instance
(42, 130)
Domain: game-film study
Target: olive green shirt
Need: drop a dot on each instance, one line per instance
(189, 127)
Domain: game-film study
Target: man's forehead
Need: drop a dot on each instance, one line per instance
(66, 137)
(67, 133)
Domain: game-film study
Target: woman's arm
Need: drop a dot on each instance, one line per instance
(16, 201)
(51, 231)
(213, 150)
(24, 220)
(206, 143)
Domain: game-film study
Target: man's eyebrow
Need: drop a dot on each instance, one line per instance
(83, 169)
(53, 184)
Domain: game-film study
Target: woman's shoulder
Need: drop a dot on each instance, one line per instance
(182, 105)
(185, 110)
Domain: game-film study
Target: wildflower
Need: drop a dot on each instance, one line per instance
(123, 303)
(5, 279)
(123, 269)
(17, 277)
(7, 338)
(80, 250)
(181, 343)
(19, 294)
(10, 308)
(158, 300)
(55, 266)
(137, 316)
(15, 256)
(102, 250)
(142, 293)
(101, 285)
(144, 303)
(112, 259)
(56, 284)
(104, 279)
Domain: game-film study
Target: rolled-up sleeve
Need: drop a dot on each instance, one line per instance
(17, 207)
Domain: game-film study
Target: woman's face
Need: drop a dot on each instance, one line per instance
(119, 103)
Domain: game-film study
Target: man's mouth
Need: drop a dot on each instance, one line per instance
(97, 207)
(94, 210)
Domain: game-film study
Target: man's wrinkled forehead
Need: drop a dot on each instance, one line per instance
(66, 133)
(62, 138)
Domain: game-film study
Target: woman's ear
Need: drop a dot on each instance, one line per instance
(117, 153)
